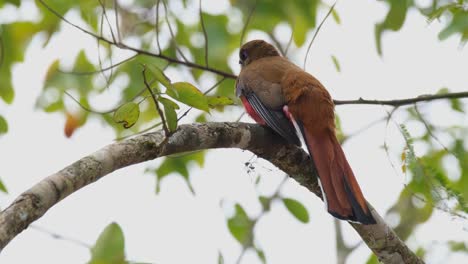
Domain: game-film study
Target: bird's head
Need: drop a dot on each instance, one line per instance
(254, 50)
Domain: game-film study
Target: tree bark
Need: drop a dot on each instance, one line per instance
(36, 201)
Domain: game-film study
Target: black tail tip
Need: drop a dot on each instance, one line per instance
(363, 219)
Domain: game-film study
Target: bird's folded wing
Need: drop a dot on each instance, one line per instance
(276, 119)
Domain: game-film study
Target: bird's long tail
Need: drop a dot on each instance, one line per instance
(341, 192)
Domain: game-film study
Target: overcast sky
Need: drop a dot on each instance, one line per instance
(177, 227)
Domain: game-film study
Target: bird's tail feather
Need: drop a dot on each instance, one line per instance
(340, 189)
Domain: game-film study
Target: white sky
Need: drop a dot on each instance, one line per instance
(176, 227)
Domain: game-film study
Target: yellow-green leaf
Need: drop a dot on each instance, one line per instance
(215, 101)
(169, 112)
(3, 125)
(127, 114)
(296, 209)
(190, 95)
(336, 63)
(240, 226)
(53, 69)
(2, 187)
(159, 75)
(109, 247)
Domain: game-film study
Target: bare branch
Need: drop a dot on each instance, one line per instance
(139, 51)
(156, 104)
(205, 34)
(401, 102)
(157, 26)
(172, 32)
(249, 17)
(36, 201)
(316, 33)
(277, 43)
(102, 69)
(117, 23)
(289, 42)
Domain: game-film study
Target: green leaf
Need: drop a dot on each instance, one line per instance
(190, 95)
(3, 125)
(109, 247)
(335, 16)
(2, 187)
(240, 227)
(127, 114)
(169, 112)
(179, 164)
(266, 202)
(215, 101)
(52, 71)
(393, 21)
(336, 63)
(159, 75)
(220, 258)
(296, 209)
(458, 246)
(261, 255)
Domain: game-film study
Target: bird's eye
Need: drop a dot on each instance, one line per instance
(243, 55)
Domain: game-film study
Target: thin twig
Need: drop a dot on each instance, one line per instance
(249, 17)
(401, 102)
(289, 42)
(161, 114)
(429, 130)
(107, 111)
(172, 32)
(104, 13)
(277, 43)
(117, 24)
(60, 237)
(317, 31)
(205, 34)
(139, 51)
(102, 69)
(157, 26)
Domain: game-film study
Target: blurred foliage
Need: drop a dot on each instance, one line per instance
(109, 247)
(162, 40)
(453, 14)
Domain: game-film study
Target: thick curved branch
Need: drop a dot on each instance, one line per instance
(36, 201)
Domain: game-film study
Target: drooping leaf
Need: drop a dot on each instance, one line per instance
(261, 255)
(2, 187)
(179, 164)
(215, 101)
(3, 125)
(240, 227)
(127, 114)
(109, 247)
(220, 258)
(53, 70)
(71, 124)
(159, 75)
(393, 21)
(169, 112)
(296, 209)
(190, 95)
(336, 63)
(266, 202)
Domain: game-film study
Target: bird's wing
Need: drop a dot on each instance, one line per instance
(274, 118)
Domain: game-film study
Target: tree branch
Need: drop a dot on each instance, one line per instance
(407, 101)
(36, 201)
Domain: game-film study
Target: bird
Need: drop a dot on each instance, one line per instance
(278, 94)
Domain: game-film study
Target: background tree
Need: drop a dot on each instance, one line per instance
(156, 65)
